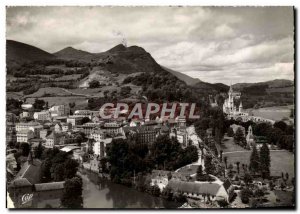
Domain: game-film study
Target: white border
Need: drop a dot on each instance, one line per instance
(4, 3)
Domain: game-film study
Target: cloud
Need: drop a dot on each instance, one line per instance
(215, 44)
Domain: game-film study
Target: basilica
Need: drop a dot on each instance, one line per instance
(229, 107)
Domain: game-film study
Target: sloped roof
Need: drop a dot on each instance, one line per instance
(29, 173)
(192, 187)
(49, 186)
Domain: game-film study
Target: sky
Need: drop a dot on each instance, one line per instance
(215, 44)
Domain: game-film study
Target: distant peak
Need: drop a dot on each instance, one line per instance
(117, 48)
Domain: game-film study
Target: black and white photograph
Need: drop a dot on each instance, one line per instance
(150, 107)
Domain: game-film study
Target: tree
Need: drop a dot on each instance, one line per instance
(85, 120)
(238, 167)
(167, 193)
(265, 161)
(38, 104)
(210, 168)
(25, 148)
(230, 132)
(239, 135)
(246, 193)
(94, 84)
(58, 172)
(70, 168)
(281, 125)
(199, 172)
(38, 151)
(72, 196)
(247, 178)
(254, 161)
(221, 155)
(225, 161)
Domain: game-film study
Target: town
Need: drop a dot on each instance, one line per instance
(175, 159)
(159, 107)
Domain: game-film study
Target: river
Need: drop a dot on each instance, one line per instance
(101, 193)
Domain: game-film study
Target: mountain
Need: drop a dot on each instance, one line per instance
(18, 53)
(277, 83)
(70, 53)
(187, 79)
(211, 87)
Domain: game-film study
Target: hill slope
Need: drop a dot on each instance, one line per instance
(70, 53)
(18, 53)
(187, 79)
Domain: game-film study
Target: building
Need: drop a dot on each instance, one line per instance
(146, 134)
(66, 127)
(25, 179)
(54, 139)
(48, 193)
(25, 126)
(99, 147)
(44, 133)
(113, 128)
(24, 136)
(59, 110)
(58, 128)
(26, 114)
(200, 190)
(250, 137)
(43, 115)
(89, 127)
(97, 134)
(84, 113)
(75, 120)
(229, 106)
(11, 117)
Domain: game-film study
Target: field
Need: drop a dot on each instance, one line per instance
(273, 113)
(281, 161)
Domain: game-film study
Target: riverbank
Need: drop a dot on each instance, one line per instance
(102, 193)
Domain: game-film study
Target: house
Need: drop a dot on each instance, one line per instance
(24, 136)
(44, 133)
(161, 177)
(58, 128)
(200, 190)
(25, 179)
(59, 110)
(66, 127)
(43, 115)
(54, 139)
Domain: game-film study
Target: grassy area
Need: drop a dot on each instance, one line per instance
(189, 169)
(228, 145)
(79, 101)
(281, 161)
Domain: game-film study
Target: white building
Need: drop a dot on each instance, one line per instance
(59, 110)
(99, 147)
(43, 115)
